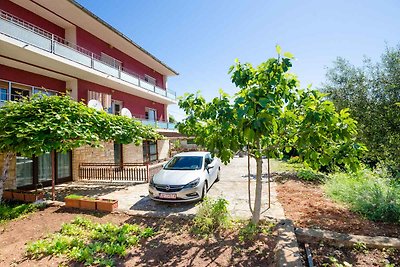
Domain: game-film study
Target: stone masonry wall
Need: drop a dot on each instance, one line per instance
(132, 153)
(87, 154)
(163, 149)
(11, 182)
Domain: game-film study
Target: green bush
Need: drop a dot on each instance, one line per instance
(90, 243)
(211, 215)
(310, 175)
(295, 159)
(9, 211)
(371, 194)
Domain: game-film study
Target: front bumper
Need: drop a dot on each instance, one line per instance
(183, 195)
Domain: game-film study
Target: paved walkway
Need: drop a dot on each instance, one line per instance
(232, 186)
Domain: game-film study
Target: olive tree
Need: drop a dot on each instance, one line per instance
(267, 115)
(34, 126)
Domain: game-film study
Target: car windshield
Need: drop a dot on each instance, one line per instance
(184, 163)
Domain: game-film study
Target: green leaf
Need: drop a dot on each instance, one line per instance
(278, 49)
(288, 55)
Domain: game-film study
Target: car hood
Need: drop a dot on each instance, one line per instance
(176, 177)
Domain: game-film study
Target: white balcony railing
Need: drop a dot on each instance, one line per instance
(24, 31)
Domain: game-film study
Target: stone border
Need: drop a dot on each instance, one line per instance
(287, 253)
(308, 235)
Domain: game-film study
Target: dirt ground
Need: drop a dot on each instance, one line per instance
(308, 206)
(173, 245)
(329, 255)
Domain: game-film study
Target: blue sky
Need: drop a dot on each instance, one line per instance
(201, 38)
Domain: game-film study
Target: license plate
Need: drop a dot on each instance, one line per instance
(168, 196)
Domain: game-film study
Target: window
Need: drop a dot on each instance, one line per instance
(3, 92)
(117, 153)
(150, 79)
(104, 99)
(19, 91)
(44, 167)
(149, 151)
(63, 165)
(208, 159)
(24, 171)
(35, 171)
(116, 107)
(43, 91)
(151, 114)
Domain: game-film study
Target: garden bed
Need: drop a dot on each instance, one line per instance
(359, 255)
(172, 245)
(307, 205)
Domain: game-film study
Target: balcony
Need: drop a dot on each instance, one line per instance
(153, 123)
(30, 34)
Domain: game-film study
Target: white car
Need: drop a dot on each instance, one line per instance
(186, 177)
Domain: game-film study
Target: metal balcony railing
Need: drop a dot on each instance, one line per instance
(29, 33)
(154, 123)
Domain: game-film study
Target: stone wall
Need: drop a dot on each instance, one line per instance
(11, 182)
(88, 154)
(163, 149)
(132, 153)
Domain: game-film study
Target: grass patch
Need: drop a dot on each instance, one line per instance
(212, 215)
(13, 210)
(310, 175)
(250, 231)
(90, 243)
(369, 193)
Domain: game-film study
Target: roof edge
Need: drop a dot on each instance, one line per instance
(121, 34)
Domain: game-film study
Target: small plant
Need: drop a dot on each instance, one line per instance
(360, 247)
(211, 215)
(295, 159)
(335, 263)
(73, 196)
(90, 243)
(9, 210)
(369, 193)
(310, 175)
(248, 232)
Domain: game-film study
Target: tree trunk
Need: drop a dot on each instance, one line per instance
(4, 173)
(269, 184)
(248, 181)
(257, 201)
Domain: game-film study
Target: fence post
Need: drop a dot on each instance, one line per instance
(148, 172)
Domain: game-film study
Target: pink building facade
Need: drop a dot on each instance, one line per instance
(57, 47)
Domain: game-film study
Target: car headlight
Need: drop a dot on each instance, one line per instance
(193, 183)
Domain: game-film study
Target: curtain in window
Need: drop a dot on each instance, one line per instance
(63, 165)
(104, 99)
(44, 167)
(43, 91)
(24, 171)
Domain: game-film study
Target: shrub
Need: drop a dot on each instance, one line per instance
(295, 159)
(90, 243)
(369, 193)
(9, 210)
(310, 175)
(211, 215)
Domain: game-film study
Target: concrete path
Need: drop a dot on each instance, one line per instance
(232, 186)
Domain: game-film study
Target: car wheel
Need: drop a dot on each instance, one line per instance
(204, 191)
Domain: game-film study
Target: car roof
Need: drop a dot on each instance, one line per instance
(192, 154)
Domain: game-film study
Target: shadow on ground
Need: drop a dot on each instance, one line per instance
(90, 190)
(147, 204)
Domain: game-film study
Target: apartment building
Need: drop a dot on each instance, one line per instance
(57, 47)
